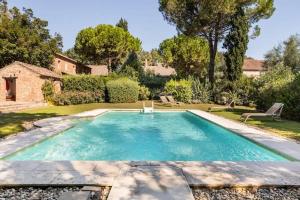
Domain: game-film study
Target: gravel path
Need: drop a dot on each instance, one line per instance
(247, 193)
(48, 193)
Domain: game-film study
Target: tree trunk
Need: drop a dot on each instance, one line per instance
(213, 46)
(109, 65)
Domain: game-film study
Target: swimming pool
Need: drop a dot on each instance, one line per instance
(160, 136)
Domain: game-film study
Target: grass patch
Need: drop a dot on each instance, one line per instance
(13, 122)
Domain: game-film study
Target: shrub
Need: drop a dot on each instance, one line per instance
(73, 98)
(280, 85)
(83, 83)
(242, 91)
(122, 90)
(152, 81)
(129, 72)
(201, 93)
(181, 90)
(144, 93)
(48, 90)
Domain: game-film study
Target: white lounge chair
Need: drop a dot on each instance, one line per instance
(274, 112)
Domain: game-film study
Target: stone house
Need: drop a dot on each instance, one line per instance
(65, 65)
(23, 82)
(159, 69)
(253, 68)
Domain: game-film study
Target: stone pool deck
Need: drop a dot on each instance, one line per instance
(148, 180)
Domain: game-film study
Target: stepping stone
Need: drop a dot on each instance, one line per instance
(151, 183)
(82, 195)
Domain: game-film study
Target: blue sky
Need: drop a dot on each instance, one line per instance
(68, 17)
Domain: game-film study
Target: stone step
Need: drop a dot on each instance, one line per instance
(20, 106)
(151, 182)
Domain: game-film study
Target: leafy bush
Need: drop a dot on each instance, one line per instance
(77, 97)
(122, 90)
(242, 91)
(48, 90)
(181, 90)
(83, 83)
(280, 85)
(129, 72)
(144, 93)
(201, 93)
(152, 81)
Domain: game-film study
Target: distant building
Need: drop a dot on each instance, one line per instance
(253, 68)
(23, 82)
(101, 70)
(65, 65)
(159, 69)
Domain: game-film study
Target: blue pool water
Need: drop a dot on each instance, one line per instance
(162, 136)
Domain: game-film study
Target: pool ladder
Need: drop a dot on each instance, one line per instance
(148, 109)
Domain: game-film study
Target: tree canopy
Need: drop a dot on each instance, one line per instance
(25, 38)
(106, 43)
(211, 18)
(236, 43)
(188, 55)
(123, 24)
(287, 54)
(153, 57)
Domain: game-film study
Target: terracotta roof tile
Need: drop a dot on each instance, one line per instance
(253, 65)
(99, 70)
(39, 70)
(161, 70)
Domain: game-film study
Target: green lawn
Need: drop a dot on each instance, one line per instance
(13, 122)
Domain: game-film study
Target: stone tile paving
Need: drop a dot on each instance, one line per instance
(280, 144)
(149, 182)
(104, 173)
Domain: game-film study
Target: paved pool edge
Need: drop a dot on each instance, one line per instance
(209, 174)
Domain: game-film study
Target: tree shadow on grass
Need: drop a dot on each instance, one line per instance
(11, 123)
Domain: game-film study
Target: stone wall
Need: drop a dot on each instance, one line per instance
(28, 84)
(63, 66)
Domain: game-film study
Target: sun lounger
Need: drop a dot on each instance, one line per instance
(172, 100)
(274, 112)
(229, 105)
(164, 99)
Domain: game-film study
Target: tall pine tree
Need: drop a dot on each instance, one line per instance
(236, 43)
(123, 24)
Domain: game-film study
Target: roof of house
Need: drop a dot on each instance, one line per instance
(160, 70)
(99, 69)
(65, 57)
(251, 64)
(39, 70)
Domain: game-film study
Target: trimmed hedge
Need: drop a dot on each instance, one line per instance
(73, 98)
(181, 90)
(83, 83)
(122, 90)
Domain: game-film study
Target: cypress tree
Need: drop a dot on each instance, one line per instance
(236, 43)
